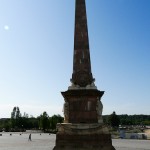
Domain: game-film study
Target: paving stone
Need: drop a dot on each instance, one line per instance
(47, 142)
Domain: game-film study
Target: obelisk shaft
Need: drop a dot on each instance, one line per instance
(82, 74)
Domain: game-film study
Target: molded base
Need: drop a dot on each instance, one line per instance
(90, 138)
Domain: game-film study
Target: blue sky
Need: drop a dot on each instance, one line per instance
(36, 54)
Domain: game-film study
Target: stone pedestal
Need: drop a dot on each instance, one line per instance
(83, 106)
(83, 128)
(83, 137)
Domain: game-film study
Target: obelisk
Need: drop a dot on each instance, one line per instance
(82, 74)
(83, 127)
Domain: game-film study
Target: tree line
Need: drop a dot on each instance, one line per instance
(116, 120)
(19, 122)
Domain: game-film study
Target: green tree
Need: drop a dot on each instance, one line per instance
(44, 121)
(54, 120)
(114, 120)
(16, 118)
(13, 119)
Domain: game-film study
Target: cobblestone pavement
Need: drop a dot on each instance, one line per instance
(47, 142)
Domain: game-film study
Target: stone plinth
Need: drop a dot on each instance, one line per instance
(83, 137)
(83, 106)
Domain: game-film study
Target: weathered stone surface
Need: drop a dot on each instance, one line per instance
(83, 142)
(83, 106)
(82, 129)
(83, 137)
(82, 75)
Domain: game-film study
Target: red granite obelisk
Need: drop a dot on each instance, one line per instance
(83, 127)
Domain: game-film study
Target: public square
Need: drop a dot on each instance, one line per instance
(47, 142)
